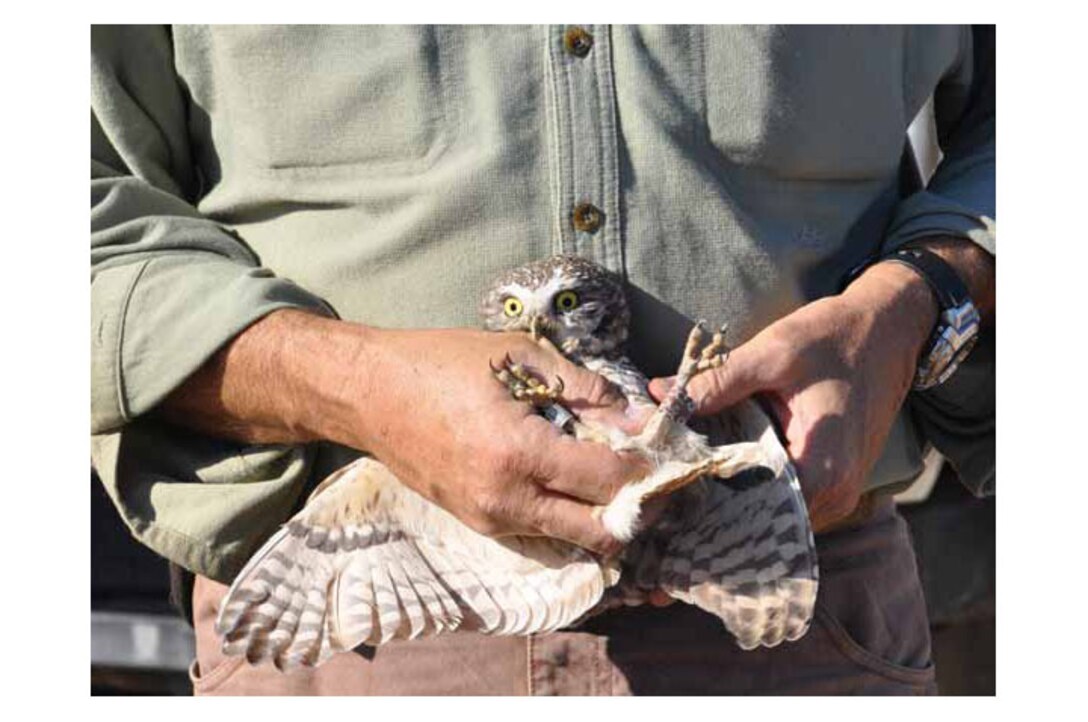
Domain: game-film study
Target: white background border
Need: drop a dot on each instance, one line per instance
(1042, 362)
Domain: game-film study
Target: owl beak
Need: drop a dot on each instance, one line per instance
(538, 325)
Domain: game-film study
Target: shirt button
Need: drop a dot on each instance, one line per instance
(577, 42)
(587, 217)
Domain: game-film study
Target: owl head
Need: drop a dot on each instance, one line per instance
(575, 303)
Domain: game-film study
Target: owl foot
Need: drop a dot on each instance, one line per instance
(524, 385)
(677, 406)
(715, 353)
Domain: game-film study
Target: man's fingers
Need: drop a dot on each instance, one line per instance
(580, 469)
(738, 378)
(746, 372)
(594, 398)
(562, 518)
(830, 468)
(829, 495)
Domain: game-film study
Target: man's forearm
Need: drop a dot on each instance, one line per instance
(425, 404)
(975, 267)
(282, 380)
(911, 307)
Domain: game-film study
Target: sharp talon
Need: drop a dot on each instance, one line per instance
(695, 340)
(507, 361)
(715, 352)
(491, 365)
(559, 385)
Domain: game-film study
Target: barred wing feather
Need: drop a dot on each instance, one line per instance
(749, 557)
(368, 561)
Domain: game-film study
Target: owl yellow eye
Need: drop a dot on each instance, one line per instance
(512, 307)
(566, 301)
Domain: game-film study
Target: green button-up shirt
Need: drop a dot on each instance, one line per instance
(385, 174)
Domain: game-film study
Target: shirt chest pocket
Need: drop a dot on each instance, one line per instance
(807, 103)
(328, 97)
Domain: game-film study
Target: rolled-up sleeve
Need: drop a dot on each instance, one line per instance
(168, 286)
(958, 417)
(959, 200)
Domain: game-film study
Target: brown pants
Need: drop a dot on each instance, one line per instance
(870, 636)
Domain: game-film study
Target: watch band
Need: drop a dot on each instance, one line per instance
(958, 321)
(945, 283)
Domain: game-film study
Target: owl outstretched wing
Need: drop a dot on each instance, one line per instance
(368, 560)
(749, 556)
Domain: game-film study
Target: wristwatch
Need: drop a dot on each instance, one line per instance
(958, 322)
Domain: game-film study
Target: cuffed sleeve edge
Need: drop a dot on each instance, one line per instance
(926, 214)
(110, 301)
(176, 312)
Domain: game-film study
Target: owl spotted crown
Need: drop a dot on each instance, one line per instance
(579, 305)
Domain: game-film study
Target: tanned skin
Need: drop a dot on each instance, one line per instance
(836, 372)
(424, 402)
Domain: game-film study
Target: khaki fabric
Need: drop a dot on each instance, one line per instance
(384, 174)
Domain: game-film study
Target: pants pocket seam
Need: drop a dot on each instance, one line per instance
(876, 664)
(216, 677)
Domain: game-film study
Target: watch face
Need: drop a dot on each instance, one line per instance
(953, 339)
(957, 358)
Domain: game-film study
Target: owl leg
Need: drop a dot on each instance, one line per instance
(731, 459)
(724, 462)
(677, 406)
(623, 516)
(524, 385)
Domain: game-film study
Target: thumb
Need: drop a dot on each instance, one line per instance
(592, 397)
(712, 390)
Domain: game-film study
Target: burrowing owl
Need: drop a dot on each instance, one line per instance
(368, 560)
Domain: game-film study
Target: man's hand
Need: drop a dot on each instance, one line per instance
(835, 373)
(423, 402)
(431, 410)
